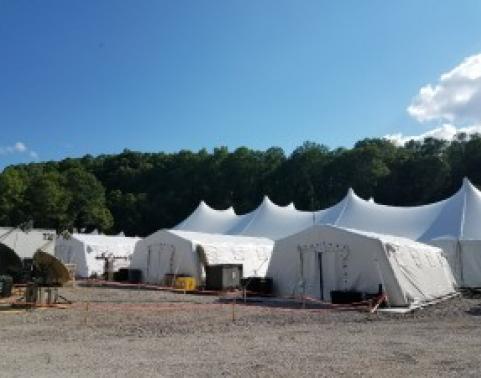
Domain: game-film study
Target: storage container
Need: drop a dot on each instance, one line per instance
(185, 283)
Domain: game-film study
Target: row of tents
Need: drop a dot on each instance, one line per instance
(417, 254)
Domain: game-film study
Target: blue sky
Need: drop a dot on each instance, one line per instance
(80, 77)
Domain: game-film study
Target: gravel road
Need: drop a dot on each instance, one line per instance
(133, 333)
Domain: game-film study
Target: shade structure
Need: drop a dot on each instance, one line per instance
(88, 252)
(187, 253)
(322, 259)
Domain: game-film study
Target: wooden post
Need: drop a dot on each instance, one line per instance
(86, 312)
(233, 309)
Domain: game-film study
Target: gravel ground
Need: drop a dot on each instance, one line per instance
(153, 333)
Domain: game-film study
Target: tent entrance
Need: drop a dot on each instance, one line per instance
(321, 277)
(160, 261)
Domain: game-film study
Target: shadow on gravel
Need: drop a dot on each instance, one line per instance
(471, 293)
(474, 311)
(290, 304)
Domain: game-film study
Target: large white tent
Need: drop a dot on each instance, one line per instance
(183, 252)
(88, 252)
(453, 224)
(322, 259)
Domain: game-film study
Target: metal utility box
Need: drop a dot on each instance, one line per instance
(223, 276)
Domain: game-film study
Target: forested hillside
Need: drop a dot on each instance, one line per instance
(139, 193)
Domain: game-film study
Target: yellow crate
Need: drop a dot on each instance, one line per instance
(185, 283)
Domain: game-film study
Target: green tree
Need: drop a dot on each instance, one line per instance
(87, 206)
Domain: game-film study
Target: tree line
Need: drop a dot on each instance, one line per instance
(139, 193)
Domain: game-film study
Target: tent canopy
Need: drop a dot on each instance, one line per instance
(458, 216)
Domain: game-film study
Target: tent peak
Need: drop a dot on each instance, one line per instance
(468, 186)
(266, 201)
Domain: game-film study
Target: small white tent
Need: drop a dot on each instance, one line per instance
(322, 259)
(88, 252)
(183, 252)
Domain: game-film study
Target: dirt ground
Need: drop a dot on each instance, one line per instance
(134, 333)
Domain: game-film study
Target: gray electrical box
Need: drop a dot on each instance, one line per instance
(223, 276)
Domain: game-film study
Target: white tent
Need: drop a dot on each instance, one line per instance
(25, 244)
(322, 259)
(452, 224)
(88, 252)
(457, 217)
(183, 252)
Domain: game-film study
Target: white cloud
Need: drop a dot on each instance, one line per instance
(454, 102)
(445, 132)
(456, 97)
(18, 148)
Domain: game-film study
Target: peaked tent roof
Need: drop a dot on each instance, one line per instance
(206, 219)
(272, 221)
(457, 216)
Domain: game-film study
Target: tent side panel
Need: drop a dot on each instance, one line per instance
(72, 251)
(285, 264)
(471, 263)
(452, 251)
